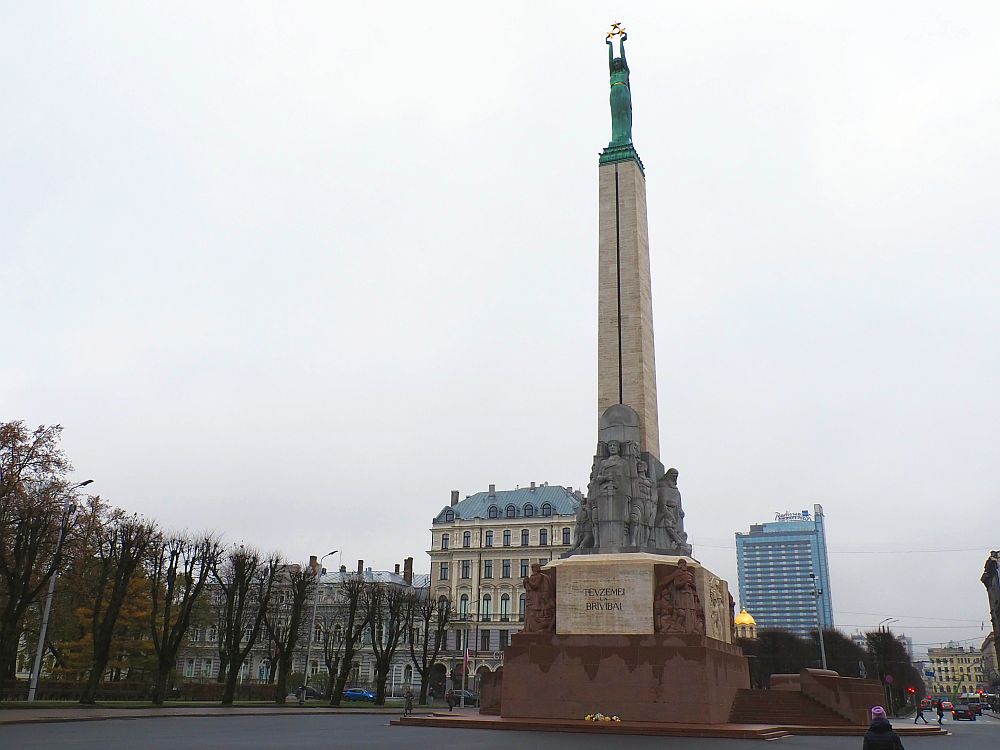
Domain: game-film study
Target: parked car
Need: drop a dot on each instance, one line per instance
(471, 699)
(312, 694)
(359, 694)
(963, 711)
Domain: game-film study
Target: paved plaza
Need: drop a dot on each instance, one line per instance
(347, 732)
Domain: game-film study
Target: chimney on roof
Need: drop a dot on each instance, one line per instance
(343, 568)
(408, 571)
(314, 563)
(454, 498)
(532, 486)
(570, 489)
(493, 490)
(361, 566)
(397, 569)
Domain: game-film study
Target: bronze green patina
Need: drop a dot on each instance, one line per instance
(620, 148)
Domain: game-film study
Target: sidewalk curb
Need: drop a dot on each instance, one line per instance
(192, 714)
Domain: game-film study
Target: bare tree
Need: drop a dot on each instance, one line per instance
(32, 487)
(429, 620)
(179, 567)
(283, 620)
(122, 544)
(386, 606)
(245, 578)
(332, 639)
(355, 619)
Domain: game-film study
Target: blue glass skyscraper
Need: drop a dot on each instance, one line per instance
(775, 560)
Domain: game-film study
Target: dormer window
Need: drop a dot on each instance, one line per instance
(529, 510)
(449, 516)
(546, 510)
(493, 512)
(511, 511)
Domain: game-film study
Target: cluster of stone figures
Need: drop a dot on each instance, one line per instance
(626, 508)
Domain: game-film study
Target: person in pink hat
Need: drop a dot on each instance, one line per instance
(880, 735)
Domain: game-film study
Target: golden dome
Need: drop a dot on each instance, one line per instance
(744, 618)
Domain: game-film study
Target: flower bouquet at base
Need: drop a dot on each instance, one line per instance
(604, 718)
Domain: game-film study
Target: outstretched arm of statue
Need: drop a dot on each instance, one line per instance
(621, 46)
(611, 51)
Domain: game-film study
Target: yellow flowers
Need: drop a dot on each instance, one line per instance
(601, 717)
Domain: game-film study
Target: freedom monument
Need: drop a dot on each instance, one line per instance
(627, 622)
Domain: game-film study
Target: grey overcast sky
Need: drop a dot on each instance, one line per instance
(294, 271)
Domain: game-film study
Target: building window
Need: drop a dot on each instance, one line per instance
(443, 574)
(487, 611)
(213, 633)
(467, 539)
(504, 639)
(524, 537)
(504, 608)
(487, 568)
(546, 510)
(506, 538)
(189, 668)
(484, 640)
(444, 541)
(466, 569)
(524, 568)
(511, 511)
(206, 668)
(458, 640)
(463, 608)
(505, 569)
(489, 538)
(449, 516)
(493, 512)
(520, 607)
(543, 537)
(529, 510)
(567, 535)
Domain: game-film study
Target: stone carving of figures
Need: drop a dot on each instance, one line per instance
(613, 474)
(677, 606)
(668, 524)
(716, 607)
(584, 524)
(732, 618)
(540, 602)
(642, 510)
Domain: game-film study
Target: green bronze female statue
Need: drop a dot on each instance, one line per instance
(621, 96)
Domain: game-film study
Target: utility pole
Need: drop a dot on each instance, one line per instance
(818, 593)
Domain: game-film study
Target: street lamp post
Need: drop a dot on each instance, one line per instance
(36, 668)
(312, 629)
(818, 593)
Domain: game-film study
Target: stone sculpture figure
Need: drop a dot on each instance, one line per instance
(715, 607)
(621, 95)
(584, 524)
(642, 508)
(540, 602)
(676, 605)
(669, 522)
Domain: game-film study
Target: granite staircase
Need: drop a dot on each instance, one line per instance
(782, 708)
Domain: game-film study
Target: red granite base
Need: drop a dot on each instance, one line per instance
(644, 678)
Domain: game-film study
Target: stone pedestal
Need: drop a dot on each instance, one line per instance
(666, 678)
(612, 650)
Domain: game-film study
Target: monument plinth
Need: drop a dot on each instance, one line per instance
(626, 621)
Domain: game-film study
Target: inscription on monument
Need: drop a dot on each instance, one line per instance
(605, 598)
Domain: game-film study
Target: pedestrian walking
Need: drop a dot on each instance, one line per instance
(920, 713)
(940, 711)
(880, 734)
(407, 701)
(450, 697)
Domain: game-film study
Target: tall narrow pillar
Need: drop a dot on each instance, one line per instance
(626, 363)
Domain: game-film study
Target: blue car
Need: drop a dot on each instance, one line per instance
(359, 694)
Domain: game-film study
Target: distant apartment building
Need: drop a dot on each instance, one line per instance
(955, 670)
(482, 547)
(775, 563)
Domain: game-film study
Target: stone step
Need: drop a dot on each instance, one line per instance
(782, 707)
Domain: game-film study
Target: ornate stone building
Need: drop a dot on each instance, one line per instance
(991, 580)
(745, 625)
(955, 670)
(482, 547)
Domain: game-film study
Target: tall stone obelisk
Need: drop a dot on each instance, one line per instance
(626, 363)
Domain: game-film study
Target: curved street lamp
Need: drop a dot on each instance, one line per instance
(36, 668)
